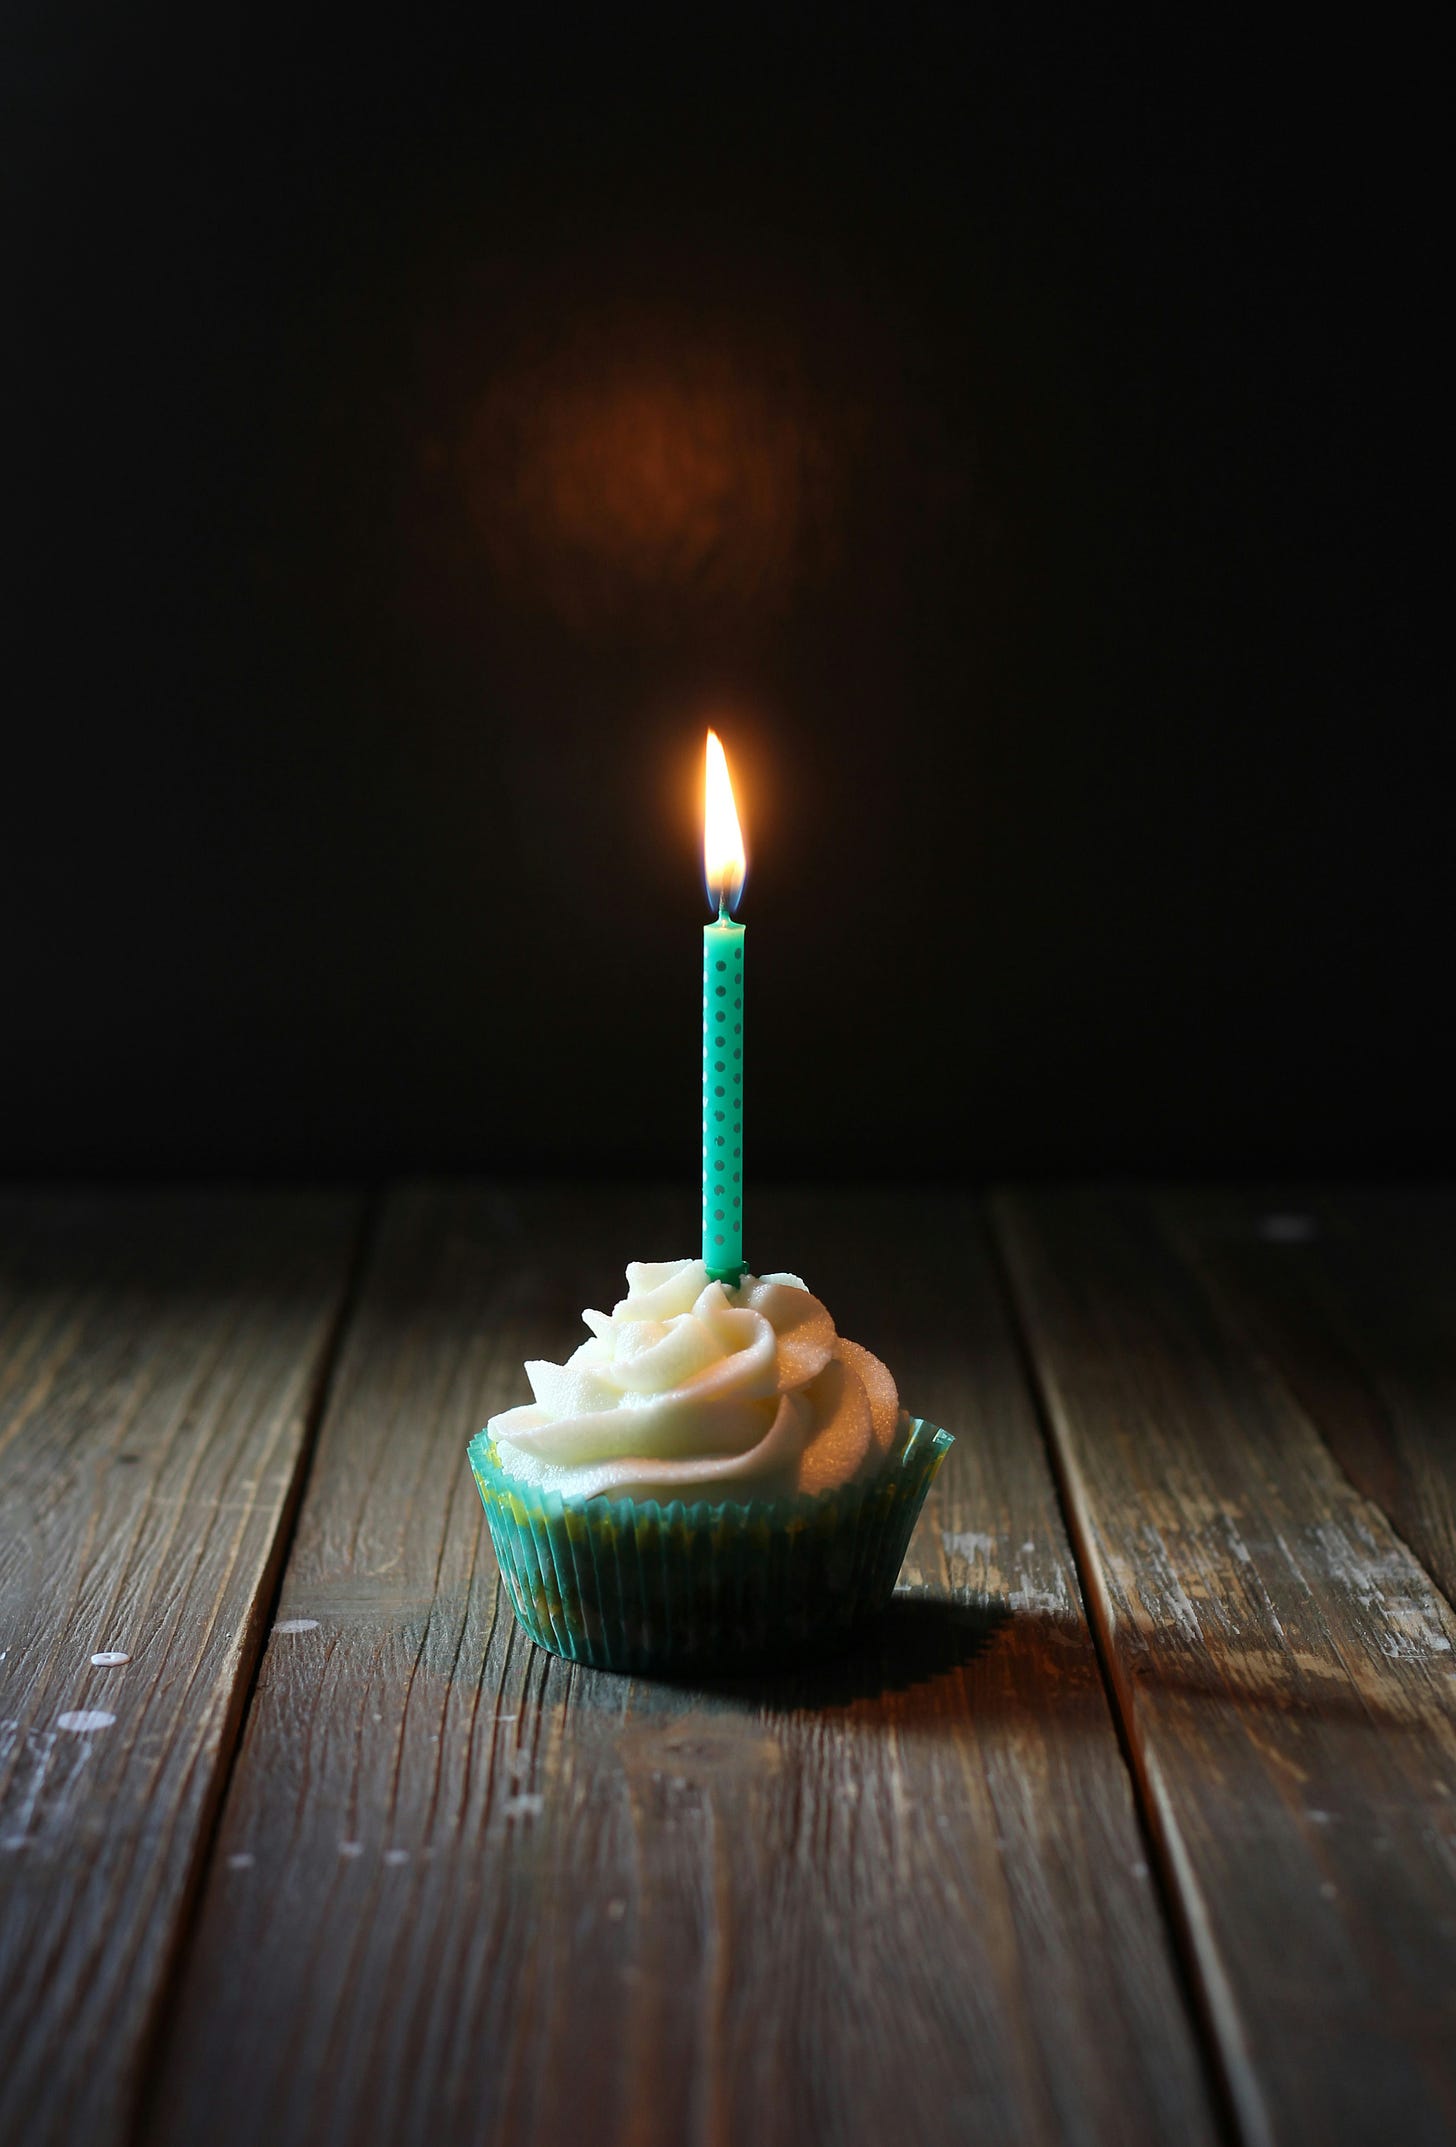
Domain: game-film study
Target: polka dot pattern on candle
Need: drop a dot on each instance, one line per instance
(723, 1099)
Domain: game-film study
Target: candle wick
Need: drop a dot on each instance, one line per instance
(723, 917)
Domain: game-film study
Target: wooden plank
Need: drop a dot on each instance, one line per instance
(1285, 1671)
(467, 1893)
(1352, 1299)
(159, 1358)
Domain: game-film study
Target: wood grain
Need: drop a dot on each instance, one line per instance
(159, 1357)
(1285, 1670)
(468, 1893)
(1351, 1298)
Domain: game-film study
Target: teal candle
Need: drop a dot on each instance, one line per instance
(724, 864)
(723, 1099)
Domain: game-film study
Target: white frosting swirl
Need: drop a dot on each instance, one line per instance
(693, 1391)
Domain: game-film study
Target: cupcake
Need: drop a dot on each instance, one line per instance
(715, 1479)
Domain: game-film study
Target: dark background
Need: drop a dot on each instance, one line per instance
(1020, 441)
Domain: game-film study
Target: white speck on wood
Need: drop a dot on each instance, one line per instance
(1149, 1578)
(38, 1747)
(1027, 1596)
(967, 1543)
(80, 1721)
(296, 1625)
(1388, 1585)
(110, 1659)
(1237, 1546)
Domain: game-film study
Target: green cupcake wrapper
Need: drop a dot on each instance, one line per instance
(632, 1584)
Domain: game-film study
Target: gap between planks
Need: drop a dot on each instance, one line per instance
(265, 1609)
(160, 1355)
(1409, 1518)
(1162, 1858)
(1165, 1409)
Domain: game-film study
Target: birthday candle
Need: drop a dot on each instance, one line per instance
(724, 866)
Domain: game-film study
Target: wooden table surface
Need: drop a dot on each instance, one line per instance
(1134, 1822)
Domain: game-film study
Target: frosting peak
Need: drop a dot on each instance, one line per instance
(689, 1389)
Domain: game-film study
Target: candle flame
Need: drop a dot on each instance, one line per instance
(724, 862)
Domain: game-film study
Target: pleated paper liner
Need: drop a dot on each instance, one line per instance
(629, 1584)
